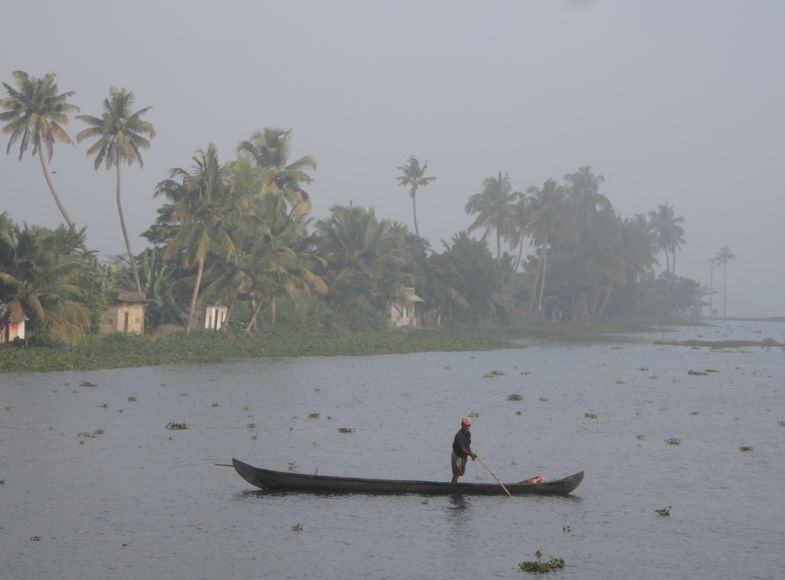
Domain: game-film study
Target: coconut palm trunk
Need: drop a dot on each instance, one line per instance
(195, 295)
(51, 185)
(414, 212)
(252, 323)
(131, 258)
(542, 278)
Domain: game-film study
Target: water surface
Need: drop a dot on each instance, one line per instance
(96, 486)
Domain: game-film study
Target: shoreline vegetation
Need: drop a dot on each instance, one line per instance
(204, 346)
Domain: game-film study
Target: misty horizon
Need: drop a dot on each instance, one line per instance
(673, 103)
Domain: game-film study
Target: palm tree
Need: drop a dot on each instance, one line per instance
(36, 114)
(520, 226)
(198, 207)
(546, 217)
(668, 233)
(583, 187)
(269, 150)
(639, 248)
(365, 256)
(281, 263)
(120, 136)
(724, 255)
(270, 259)
(38, 282)
(414, 177)
(494, 208)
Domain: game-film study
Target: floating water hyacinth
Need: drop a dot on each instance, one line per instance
(540, 567)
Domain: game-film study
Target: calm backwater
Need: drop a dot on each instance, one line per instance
(94, 485)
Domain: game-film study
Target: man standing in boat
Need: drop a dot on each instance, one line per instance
(461, 449)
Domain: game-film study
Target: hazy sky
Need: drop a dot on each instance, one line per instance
(672, 101)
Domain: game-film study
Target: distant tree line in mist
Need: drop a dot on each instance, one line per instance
(239, 233)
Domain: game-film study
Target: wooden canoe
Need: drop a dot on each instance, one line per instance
(288, 481)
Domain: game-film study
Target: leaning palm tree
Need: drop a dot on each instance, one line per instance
(120, 136)
(36, 114)
(414, 177)
(198, 209)
(721, 259)
(269, 150)
(494, 208)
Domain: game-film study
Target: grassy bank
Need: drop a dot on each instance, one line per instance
(123, 351)
(120, 351)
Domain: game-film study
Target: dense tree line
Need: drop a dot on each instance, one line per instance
(239, 233)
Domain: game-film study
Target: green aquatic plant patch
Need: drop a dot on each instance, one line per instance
(540, 567)
(765, 343)
(205, 346)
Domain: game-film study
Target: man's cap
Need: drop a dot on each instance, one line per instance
(466, 421)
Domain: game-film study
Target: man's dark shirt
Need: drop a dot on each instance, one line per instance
(463, 440)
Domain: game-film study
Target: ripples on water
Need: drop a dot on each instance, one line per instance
(141, 501)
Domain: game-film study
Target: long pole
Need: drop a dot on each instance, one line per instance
(494, 476)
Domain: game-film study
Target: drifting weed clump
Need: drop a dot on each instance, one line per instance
(540, 567)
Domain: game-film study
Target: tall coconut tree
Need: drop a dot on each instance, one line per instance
(668, 233)
(36, 114)
(640, 248)
(120, 136)
(198, 209)
(414, 177)
(724, 255)
(269, 150)
(493, 207)
(547, 215)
